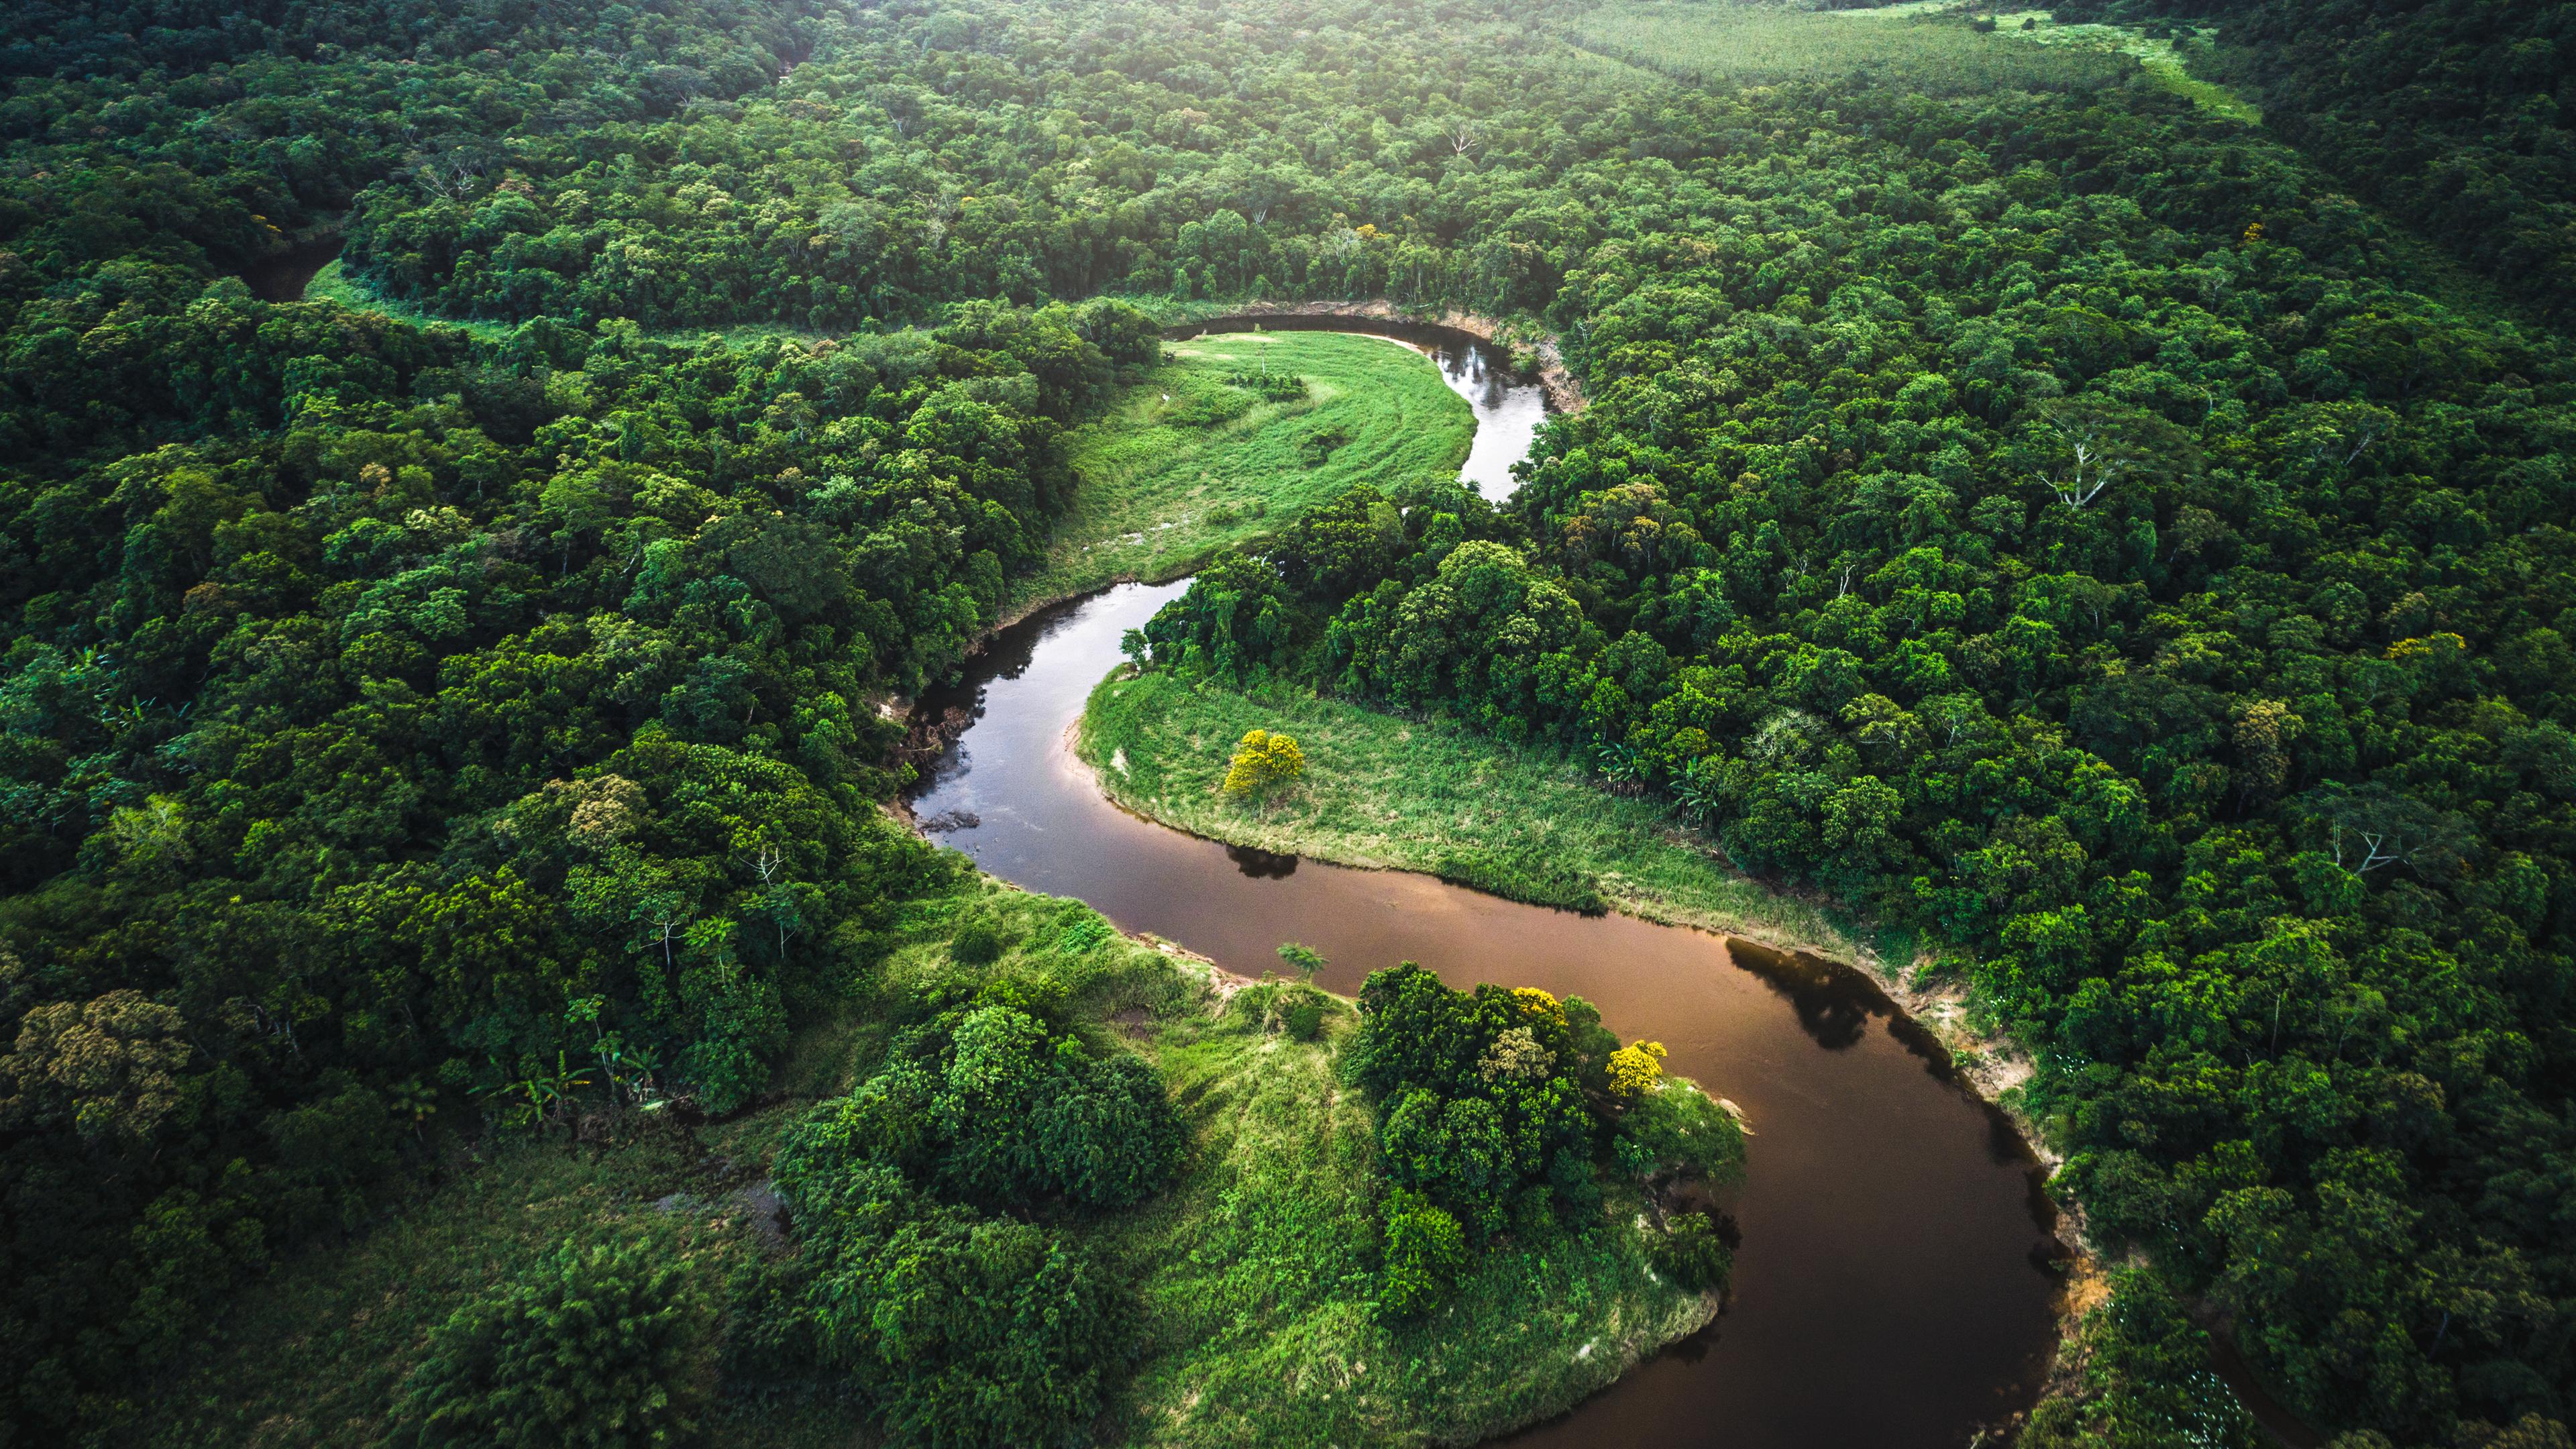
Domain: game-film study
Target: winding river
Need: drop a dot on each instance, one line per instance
(1893, 1288)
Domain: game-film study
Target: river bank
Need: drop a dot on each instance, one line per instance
(1893, 1225)
(1547, 363)
(1386, 792)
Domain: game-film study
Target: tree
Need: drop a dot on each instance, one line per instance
(606, 1347)
(2105, 443)
(1264, 764)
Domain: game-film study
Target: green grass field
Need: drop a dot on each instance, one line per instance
(334, 284)
(1922, 47)
(1435, 796)
(1254, 1271)
(1182, 465)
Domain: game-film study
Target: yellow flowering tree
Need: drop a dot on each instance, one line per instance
(1264, 763)
(1635, 1069)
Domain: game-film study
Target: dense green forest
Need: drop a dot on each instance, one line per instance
(2457, 115)
(2038, 513)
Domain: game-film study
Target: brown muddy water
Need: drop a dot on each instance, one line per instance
(1894, 1287)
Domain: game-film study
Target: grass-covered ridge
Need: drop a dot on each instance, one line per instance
(1184, 464)
(1428, 794)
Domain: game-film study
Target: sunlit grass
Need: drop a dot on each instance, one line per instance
(1432, 795)
(1182, 466)
(1922, 47)
(334, 284)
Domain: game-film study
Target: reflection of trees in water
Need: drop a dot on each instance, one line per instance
(945, 712)
(1833, 1004)
(1261, 864)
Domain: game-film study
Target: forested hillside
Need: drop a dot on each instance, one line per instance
(2012, 502)
(2454, 114)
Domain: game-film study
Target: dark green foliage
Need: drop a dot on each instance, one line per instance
(2171, 621)
(1972, 521)
(2450, 113)
(608, 1347)
(1479, 1093)
(399, 723)
(955, 1329)
(1269, 386)
(2146, 1380)
(1690, 1252)
(975, 944)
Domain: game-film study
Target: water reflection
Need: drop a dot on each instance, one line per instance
(1261, 864)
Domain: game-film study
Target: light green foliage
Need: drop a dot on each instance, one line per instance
(1675, 1130)
(1932, 52)
(1429, 795)
(1166, 484)
(1424, 1253)
(604, 1347)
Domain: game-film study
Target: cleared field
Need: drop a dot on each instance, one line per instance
(1430, 795)
(1183, 464)
(1927, 49)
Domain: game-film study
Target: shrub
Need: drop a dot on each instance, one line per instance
(1269, 386)
(1675, 1130)
(1636, 1068)
(956, 1329)
(1304, 1017)
(605, 1348)
(1264, 763)
(1425, 1252)
(1320, 444)
(976, 944)
(991, 1105)
(1690, 1252)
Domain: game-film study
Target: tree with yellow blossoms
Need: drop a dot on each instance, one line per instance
(1636, 1068)
(1264, 764)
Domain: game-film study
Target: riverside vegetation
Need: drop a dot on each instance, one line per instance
(1257, 1189)
(2038, 513)
(1194, 457)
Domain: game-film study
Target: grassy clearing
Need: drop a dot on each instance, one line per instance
(333, 283)
(2158, 54)
(1430, 795)
(313, 1354)
(1254, 1271)
(1182, 465)
(1925, 48)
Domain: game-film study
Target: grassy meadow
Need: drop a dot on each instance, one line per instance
(333, 283)
(1254, 1271)
(1431, 795)
(1924, 48)
(1183, 465)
